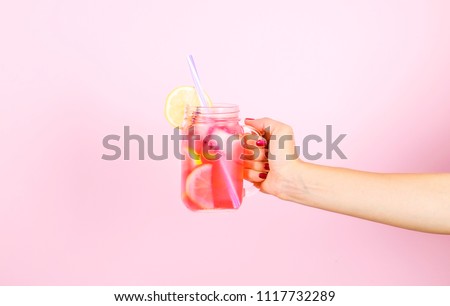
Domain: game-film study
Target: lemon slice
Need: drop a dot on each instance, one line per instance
(199, 186)
(176, 102)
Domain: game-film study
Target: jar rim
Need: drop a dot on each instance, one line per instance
(218, 108)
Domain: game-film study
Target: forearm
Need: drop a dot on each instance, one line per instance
(414, 201)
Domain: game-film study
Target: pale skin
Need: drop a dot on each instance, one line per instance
(419, 202)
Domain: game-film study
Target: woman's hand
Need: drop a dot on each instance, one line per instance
(419, 202)
(275, 162)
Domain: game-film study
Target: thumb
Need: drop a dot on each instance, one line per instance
(280, 137)
(262, 125)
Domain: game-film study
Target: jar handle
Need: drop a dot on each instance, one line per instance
(249, 188)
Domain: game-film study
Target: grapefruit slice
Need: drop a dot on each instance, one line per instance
(199, 187)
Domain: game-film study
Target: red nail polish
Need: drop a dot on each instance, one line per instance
(249, 119)
(263, 175)
(261, 143)
(266, 166)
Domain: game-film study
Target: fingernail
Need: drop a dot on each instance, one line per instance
(266, 166)
(249, 119)
(261, 142)
(263, 175)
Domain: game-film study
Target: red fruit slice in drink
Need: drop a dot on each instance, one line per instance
(199, 187)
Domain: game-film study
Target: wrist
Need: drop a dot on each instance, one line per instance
(293, 183)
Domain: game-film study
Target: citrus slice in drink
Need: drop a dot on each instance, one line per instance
(176, 102)
(199, 187)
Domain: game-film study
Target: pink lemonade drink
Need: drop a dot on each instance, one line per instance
(212, 169)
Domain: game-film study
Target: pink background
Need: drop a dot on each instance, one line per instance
(72, 72)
